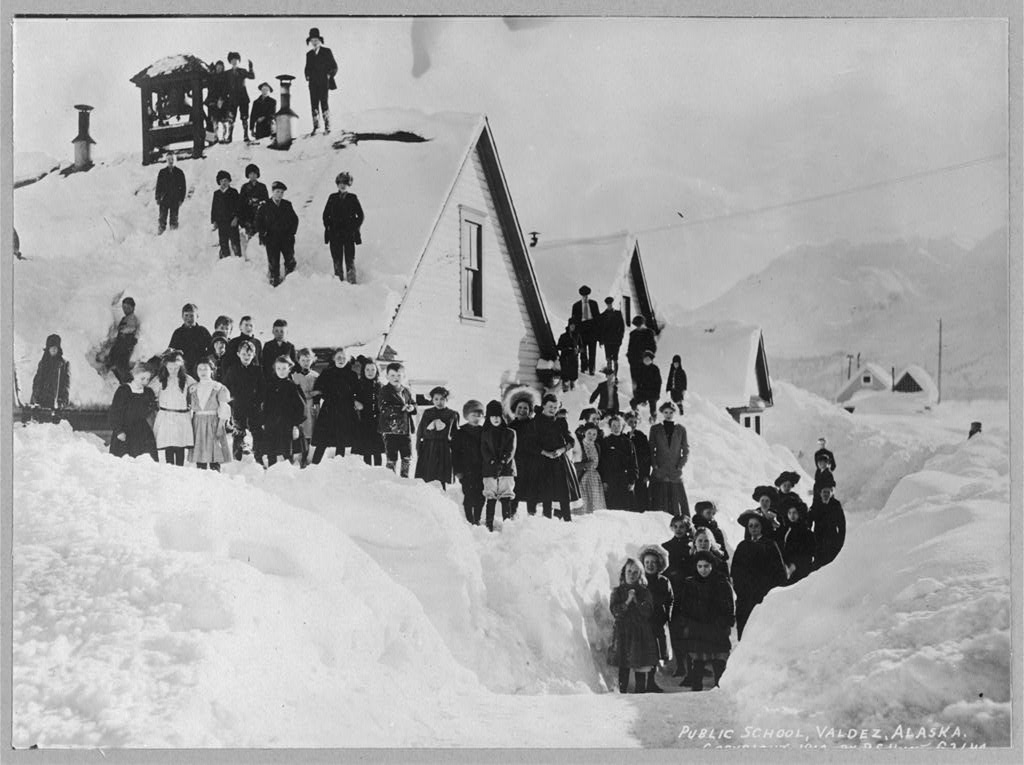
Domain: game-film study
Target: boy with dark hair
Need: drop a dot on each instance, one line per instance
(120, 355)
(170, 193)
(613, 329)
(283, 412)
(224, 215)
(245, 332)
(191, 338)
(647, 385)
(320, 70)
(824, 464)
(246, 383)
(642, 450)
(250, 197)
(224, 325)
(238, 96)
(467, 461)
(276, 347)
(397, 408)
(641, 339)
(277, 223)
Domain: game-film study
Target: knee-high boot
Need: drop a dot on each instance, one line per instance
(623, 679)
(641, 682)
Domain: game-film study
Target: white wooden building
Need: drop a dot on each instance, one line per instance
(867, 377)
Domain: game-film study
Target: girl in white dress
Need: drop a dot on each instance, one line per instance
(209, 401)
(173, 425)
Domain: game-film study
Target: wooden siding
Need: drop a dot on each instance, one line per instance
(473, 358)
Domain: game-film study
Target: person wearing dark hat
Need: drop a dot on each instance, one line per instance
(252, 194)
(467, 462)
(238, 96)
(675, 385)
(343, 216)
(612, 330)
(434, 439)
(641, 339)
(219, 344)
(669, 453)
(569, 355)
(261, 116)
(277, 223)
(498, 456)
(586, 314)
(824, 465)
(556, 479)
(706, 613)
(829, 524)
(765, 497)
(170, 193)
(642, 450)
(647, 385)
(191, 338)
(654, 559)
(618, 466)
(796, 541)
(521, 403)
(785, 497)
(606, 394)
(51, 385)
(757, 567)
(224, 215)
(704, 518)
(320, 70)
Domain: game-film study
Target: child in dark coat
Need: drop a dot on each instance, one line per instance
(261, 116)
(757, 568)
(797, 545)
(125, 338)
(336, 423)
(618, 466)
(647, 388)
(606, 395)
(704, 518)
(247, 385)
(655, 562)
(569, 356)
(521, 404)
(343, 216)
(642, 450)
(283, 412)
(369, 442)
(434, 439)
(52, 384)
(134, 402)
(706, 611)
(498, 453)
(675, 385)
(250, 197)
(634, 646)
(467, 461)
(397, 409)
(224, 216)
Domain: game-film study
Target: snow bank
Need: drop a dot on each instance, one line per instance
(30, 166)
(909, 627)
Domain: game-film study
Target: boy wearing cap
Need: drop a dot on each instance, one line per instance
(191, 338)
(669, 453)
(224, 215)
(587, 317)
(320, 70)
(250, 197)
(467, 460)
(261, 116)
(343, 216)
(170, 193)
(647, 385)
(238, 96)
(613, 329)
(277, 223)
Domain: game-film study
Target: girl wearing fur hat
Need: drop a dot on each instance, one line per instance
(434, 439)
(634, 646)
(498, 454)
(705, 616)
(467, 462)
(173, 424)
(757, 567)
(655, 562)
(52, 384)
(522, 402)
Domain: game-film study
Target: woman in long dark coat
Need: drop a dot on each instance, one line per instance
(634, 646)
(52, 383)
(797, 544)
(618, 467)
(655, 562)
(336, 424)
(829, 525)
(369, 442)
(642, 450)
(706, 615)
(521, 404)
(556, 478)
(569, 355)
(434, 439)
(134, 402)
(757, 568)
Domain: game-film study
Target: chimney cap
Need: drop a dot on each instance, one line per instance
(285, 77)
(83, 107)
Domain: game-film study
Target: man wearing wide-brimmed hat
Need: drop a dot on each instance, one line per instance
(320, 70)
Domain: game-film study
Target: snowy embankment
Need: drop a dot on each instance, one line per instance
(909, 627)
(31, 166)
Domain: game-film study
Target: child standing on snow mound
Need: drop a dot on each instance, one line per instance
(670, 451)
(261, 118)
(706, 608)
(306, 378)
(829, 523)
(191, 339)
(647, 383)
(224, 216)
(498, 453)
(618, 466)
(246, 383)
(250, 197)
(369, 442)
(211, 413)
(824, 465)
(569, 356)
(634, 646)
(556, 479)
(655, 562)
(173, 424)
(283, 413)
(52, 384)
(238, 96)
(467, 461)
(434, 439)
(277, 223)
(591, 486)
(125, 338)
(170, 193)
(642, 450)
(337, 421)
(134, 402)
(397, 409)
(343, 217)
(527, 457)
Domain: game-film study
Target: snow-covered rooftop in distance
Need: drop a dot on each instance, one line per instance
(563, 266)
(928, 387)
(719, 359)
(174, 64)
(881, 374)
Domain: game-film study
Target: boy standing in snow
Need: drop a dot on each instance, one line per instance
(238, 96)
(588, 318)
(250, 197)
(120, 355)
(170, 193)
(647, 385)
(224, 215)
(246, 383)
(277, 223)
(283, 412)
(642, 450)
(191, 338)
(261, 118)
(320, 70)
(245, 333)
(343, 216)
(467, 461)
(276, 347)
(397, 408)
(613, 329)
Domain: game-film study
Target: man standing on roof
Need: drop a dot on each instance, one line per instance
(320, 70)
(587, 317)
(613, 329)
(277, 223)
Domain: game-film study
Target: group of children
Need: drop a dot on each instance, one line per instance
(680, 593)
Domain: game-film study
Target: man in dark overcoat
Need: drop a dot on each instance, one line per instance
(170, 192)
(277, 223)
(343, 216)
(587, 316)
(613, 329)
(320, 70)
(641, 339)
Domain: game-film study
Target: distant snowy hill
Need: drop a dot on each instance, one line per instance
(883, 300)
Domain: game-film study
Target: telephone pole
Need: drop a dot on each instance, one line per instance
(940, 363)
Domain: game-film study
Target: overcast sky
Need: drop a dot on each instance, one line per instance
(610, 124)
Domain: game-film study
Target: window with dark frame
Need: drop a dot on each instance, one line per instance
(472, 271)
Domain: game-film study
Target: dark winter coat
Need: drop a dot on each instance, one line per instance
(797, 544)
(642, 450)
(829, 524)
(678, 550)
(232, 351)
(194, 342)
(704, 615)
(261, 116)
(337, 422)
(618, 471)
(250, 197)
(648, 383)
(225, 207)
(283, 409)
(498, 451)
(688, 567)
(433, 446)
(771, 528)
(606, 395)
(663, 596)
(170, 186)
(587, 329)
(569, 356)
(613, 328)
(271, 350)
(235, 78)
(277, 223)
(641, 339)
(51, 387)
(668, 454)
(556, 478)
(633, 642)
(467, 457)
(320, 67)
(757, 568)
(394, 420)
(369, 439)
(129, 414)
(699, 521)
(527, 458)
(782, 502)
(343, 215)
(217, 97)
(676, 384)
(247, 386)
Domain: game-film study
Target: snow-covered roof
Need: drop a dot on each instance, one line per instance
(720, 360)
(563, 266)
(854, 383)
(928, 387)
(179, 63)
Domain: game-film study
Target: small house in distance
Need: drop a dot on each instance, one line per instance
(725, 363)
(869, 377)
(872, 388)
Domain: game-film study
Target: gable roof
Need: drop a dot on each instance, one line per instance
(854, 384)
(928, 387)
(177, 64)
(724, 362)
